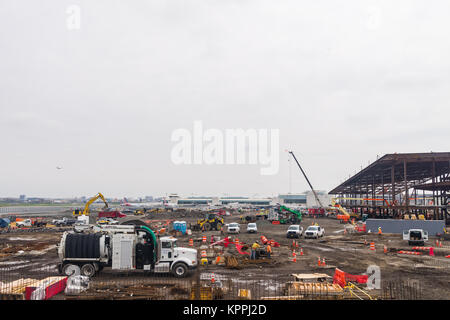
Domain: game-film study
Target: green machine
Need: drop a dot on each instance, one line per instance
(288, 215)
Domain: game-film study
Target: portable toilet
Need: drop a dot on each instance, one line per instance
(183, 227)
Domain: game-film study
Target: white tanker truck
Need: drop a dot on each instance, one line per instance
(122, 247)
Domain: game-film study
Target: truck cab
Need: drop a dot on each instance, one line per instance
(415, 236)
(314, 232)
(175, 258)
(294, 231)
(24, 223)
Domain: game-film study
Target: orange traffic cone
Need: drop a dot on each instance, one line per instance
(385, 249)
(323, 262)
(294, 257)
(213, 279)
(204, 239)
(440, 244)
(301, 251)
(372, 246)
(318, 262)
(191, 242)
(236, 241)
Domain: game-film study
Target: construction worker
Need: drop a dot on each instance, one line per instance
(255, 247)
(268, 250)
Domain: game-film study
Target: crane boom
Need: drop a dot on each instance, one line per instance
(307, 180)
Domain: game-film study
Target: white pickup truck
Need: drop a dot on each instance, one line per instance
(314, 232)
(294, 231)
(233, 228)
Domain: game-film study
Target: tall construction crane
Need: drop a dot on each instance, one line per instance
(85, 212)
(307, 180)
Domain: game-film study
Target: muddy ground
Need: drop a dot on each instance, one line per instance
(32, 254)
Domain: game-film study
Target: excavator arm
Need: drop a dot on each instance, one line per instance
(86, 207)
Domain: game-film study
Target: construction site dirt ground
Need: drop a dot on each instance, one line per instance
(28, 254)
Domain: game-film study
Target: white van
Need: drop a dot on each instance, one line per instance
(415, 236)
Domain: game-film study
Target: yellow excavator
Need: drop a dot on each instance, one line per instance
(85, 212)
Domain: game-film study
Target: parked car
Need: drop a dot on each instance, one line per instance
(314, 232)
(252, 228)
(294, 231)
(233, 228)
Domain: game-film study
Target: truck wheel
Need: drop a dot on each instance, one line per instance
(70, 269)
(218, 226)
(88, 270)
(180, 270)
(207, 227)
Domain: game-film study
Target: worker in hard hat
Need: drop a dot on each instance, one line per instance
(255, 246)
(268, 250)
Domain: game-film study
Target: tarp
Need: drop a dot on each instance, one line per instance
(239, 249)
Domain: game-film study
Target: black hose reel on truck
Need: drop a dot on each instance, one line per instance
(84, 251)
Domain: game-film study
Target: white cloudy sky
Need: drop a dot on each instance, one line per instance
(344, 81)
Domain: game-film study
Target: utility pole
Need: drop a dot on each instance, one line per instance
(307, 180)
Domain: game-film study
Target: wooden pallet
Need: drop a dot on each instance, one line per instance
(313, 288)
(15, 290)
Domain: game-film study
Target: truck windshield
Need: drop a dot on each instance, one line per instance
(293, 228)
(166, 245)
(312, 228)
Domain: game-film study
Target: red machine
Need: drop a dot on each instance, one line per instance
(111, 214)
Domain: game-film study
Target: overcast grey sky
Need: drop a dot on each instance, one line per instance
(344, 81)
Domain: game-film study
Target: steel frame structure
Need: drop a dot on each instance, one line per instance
(402, 180)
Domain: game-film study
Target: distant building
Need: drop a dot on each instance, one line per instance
(22, 197)
(323, 196)
(291, 198)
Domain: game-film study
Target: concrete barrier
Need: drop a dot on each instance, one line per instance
(397, 226)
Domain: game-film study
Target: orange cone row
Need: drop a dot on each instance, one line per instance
(409, 252)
